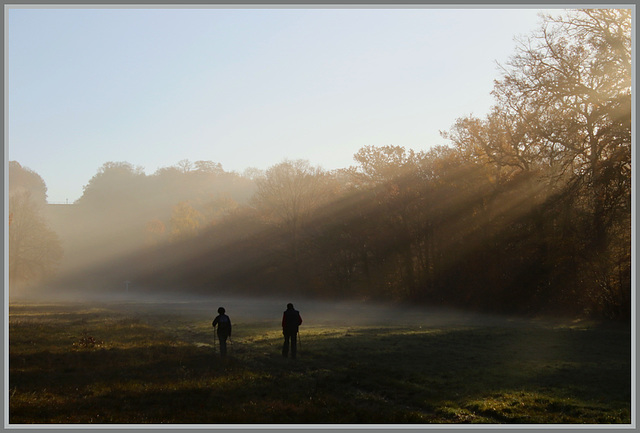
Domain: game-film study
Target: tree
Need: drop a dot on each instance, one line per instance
(570, 83)
(34, 249)
(114, 208)
(155, 231)
(115, 185)
(287, 195)
(563, 116)
(501, 143)
(217, 207)
(208, 167)
(253, 173)
(391, 175)
(289, 192)
(184, 165)
(185, 221)
(378, 165)
(26, 180)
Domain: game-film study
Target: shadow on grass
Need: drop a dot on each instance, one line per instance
(525, 374)
(112, 385)
(587, 364)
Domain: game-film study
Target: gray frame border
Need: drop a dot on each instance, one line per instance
(326, 4)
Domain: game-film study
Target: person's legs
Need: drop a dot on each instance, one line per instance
(285, 346)
(223, 345)
(294, 344)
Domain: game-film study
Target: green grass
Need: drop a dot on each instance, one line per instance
(76, 364)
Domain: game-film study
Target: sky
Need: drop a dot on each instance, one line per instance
(244, 87)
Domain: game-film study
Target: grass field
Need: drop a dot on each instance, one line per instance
(130, 362)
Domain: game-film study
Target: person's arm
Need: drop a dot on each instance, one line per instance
(229, 327)
(215, 321)
(284, 320)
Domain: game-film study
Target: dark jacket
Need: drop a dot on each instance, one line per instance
(224, 325)
(291, 320)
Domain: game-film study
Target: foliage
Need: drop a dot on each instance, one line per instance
(185, 220)
(35, 250)
(527, 211)
(563, 113)
(23, 179)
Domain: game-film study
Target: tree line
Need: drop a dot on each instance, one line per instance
(527, 210)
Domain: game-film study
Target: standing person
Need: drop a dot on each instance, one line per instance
(290, 321)
(224, 329)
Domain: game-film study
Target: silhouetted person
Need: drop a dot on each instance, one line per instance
(290, 321)
(224, 329)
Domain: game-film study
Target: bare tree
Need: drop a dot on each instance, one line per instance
(184, 165)
(570, 83)
(563, 112)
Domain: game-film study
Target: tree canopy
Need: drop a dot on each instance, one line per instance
(35, 250)
(527, 210)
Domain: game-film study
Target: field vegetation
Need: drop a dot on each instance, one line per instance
(130, 363)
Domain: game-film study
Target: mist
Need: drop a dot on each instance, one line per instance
(197, 310)
(509, 217)
(390, 230)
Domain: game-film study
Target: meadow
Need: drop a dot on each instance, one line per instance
(129, 362)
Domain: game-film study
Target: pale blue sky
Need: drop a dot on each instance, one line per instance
(242, 87)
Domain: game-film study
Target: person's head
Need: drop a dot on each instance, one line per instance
(221, 310)
(289, 306)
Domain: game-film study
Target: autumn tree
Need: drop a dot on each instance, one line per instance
(563, 113)
(155, 231)
(289, 192)
(390, 175)
(571, 81)
(118, 184)
(114, 208)
(23, 179)
(208, 167)
(35, 250)
(197, 182)
(217, 207)
(185, 221)
(287, 195)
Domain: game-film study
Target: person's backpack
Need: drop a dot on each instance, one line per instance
(292, 320)
(224, 324)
